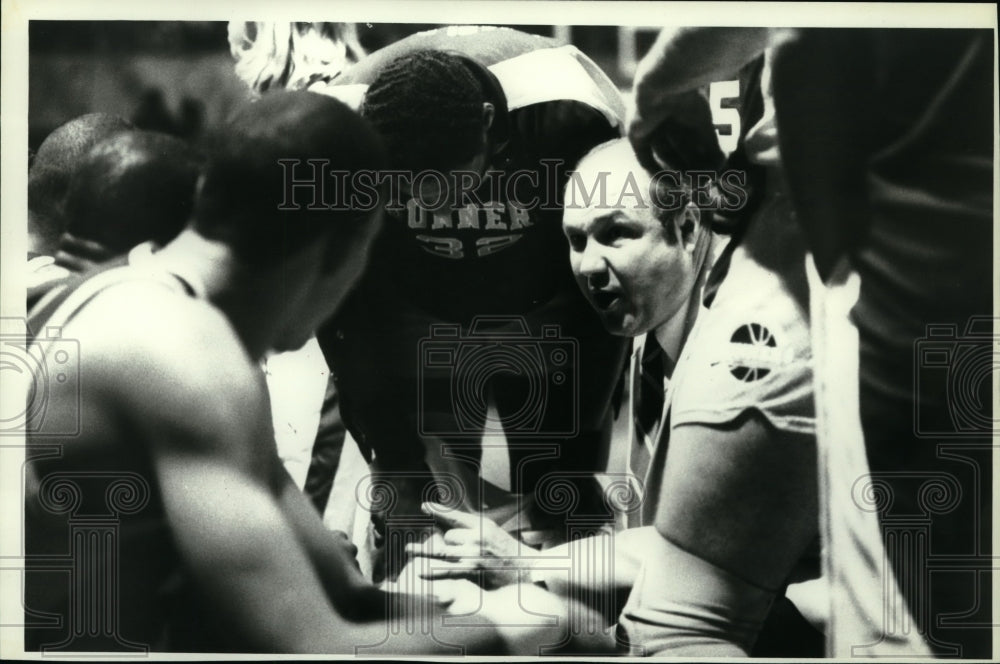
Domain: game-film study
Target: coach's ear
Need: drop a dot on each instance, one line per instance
(686, 226)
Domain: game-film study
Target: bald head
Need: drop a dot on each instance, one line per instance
(610, 176)
(59, 155)
(68, 144)
(133, 187)
(618, 149)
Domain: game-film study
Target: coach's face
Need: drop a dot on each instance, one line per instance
(635, 270)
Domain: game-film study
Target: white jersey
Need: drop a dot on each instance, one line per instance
(750, 350)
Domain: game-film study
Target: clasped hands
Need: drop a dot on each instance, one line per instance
(470, 565)
(472, 547)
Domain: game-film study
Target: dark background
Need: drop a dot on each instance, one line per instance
(178, 76)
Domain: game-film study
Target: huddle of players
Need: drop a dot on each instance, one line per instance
(228, 554)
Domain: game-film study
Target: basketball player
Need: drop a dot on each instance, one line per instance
(889, 137)
(49, 174)
(130, 188)
(138, 187)
(274, 55)
(478, 104)
(213, 548)
(51, 169)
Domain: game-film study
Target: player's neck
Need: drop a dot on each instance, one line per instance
(208, 263)
(220, 280)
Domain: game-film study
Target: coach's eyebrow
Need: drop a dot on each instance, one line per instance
(593, 223)
(606, 219)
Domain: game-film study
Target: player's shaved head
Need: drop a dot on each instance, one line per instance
(245, 181)
(69, 143)
(132, 187)
(57, 158)
(428, 106)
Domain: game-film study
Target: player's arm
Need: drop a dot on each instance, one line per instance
(683, 59)
(736, 510)
(668, 82)
(203, 420)
(332, 554)
(823, 83)
(598, 571)
(254, 572)
(247, 560)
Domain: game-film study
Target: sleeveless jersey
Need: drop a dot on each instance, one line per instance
(141, 568)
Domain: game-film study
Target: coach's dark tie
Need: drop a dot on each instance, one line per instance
(648, 391)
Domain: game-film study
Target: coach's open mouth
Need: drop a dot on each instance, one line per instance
(605, 300)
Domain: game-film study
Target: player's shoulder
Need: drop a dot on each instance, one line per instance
(169, 366)
(564, 129)
(145, 338)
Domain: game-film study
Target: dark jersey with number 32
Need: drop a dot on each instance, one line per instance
(501, 251)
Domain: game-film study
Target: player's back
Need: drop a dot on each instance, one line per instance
(100, 551)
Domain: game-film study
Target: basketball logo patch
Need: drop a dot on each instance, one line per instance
(755, 352)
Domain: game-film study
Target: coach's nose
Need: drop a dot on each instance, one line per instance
(593, 267)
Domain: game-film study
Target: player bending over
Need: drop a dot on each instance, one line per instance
(164, 425)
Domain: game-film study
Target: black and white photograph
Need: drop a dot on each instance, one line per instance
(556, 329)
